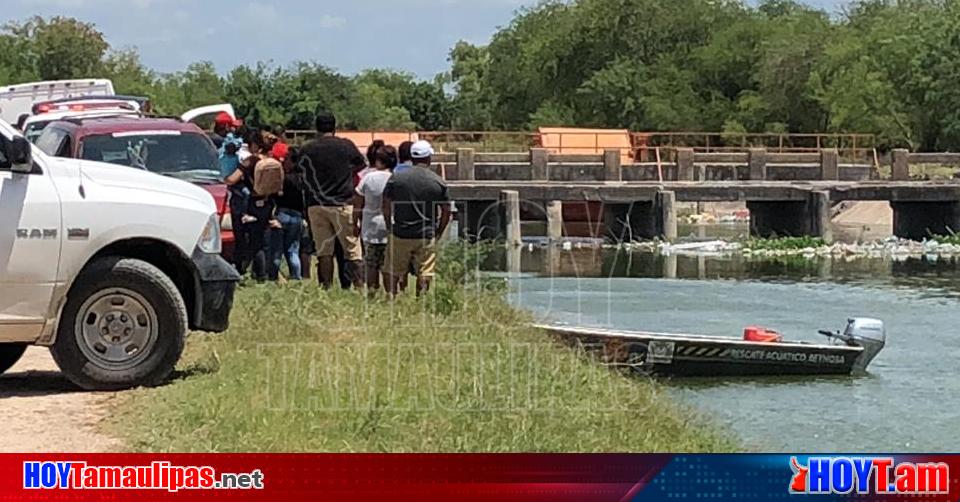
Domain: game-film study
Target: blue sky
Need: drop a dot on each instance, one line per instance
(348, 35)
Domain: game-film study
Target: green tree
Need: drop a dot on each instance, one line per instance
(428, 105)
(472, 103)
(888, 67)
(61, 47)
(788, 55)
(17, 62)
(128, 74)
(552, 114)
(372, 106)
(266, 96)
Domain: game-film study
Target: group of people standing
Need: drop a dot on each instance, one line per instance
(375, 217)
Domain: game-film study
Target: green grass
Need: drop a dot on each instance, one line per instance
(783, 244)
(460, 371)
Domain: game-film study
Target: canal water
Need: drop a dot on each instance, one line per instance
(909, 402)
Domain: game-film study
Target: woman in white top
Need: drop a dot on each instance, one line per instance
(368, 202)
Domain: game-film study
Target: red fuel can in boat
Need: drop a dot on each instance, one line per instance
(761, 335)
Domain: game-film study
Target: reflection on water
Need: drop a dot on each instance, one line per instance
(931, 276)
(848, 233)
(912, 381)
(709, 231)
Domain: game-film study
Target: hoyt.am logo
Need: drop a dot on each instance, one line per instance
(868, 475)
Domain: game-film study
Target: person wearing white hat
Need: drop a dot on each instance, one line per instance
(421, 151)
(411, 200)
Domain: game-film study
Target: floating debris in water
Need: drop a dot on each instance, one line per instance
(710, 247)
(892, 247)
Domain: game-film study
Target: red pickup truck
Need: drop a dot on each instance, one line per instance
(169, 147)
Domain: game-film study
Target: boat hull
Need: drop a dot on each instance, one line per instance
(691, 356)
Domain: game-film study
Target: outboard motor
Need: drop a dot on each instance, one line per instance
(867, 333)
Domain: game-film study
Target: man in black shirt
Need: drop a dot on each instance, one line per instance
(328, 164)
(410, 202)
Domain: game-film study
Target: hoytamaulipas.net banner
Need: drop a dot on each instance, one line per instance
(517, 477)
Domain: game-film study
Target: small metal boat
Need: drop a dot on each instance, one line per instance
(848, 352)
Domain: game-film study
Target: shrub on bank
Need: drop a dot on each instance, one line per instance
(461, 370)
(953, 239)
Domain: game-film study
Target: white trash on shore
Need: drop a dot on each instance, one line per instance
(891, 247)
(709, 247)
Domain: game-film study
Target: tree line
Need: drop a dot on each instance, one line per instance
(264, 95)
(889, 67)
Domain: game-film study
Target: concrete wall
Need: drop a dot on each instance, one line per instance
(541, 165)
(649, 172)
(643, 209)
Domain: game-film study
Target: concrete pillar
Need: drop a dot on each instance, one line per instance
(554, 220)
(466, 168)
(900, 164)
(611, 165)
(553, 261)
(829, 164)
(921, 220)
(669, 270)
(825, 268)
(540, 162)
(820, 209)
(510, 201)
(463, 226)
(510, 205)
(668, 216)
(514, 260)
(757, 160)
(686, 170)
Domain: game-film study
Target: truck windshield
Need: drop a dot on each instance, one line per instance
(33, 130)
(185, 156)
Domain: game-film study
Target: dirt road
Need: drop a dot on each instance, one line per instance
(41, 411)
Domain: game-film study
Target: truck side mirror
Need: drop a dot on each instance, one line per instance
(20, 155)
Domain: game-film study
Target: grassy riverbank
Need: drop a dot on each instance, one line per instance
(306, 370)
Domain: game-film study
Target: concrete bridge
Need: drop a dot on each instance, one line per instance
(787, 194)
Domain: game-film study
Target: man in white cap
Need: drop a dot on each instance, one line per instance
(422, 154)
(411, 201)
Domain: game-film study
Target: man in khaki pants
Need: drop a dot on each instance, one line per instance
(411, 200)
(328, 164)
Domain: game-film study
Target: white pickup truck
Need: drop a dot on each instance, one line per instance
(108, 267)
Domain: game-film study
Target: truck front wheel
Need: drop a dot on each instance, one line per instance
(10, 353)
(123, 326)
